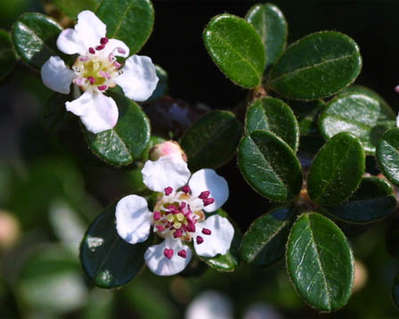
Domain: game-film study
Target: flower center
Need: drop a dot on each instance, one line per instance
(177, 213)
(97, 69)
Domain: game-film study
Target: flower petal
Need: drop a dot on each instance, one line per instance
(133, 219)
(69, 44)
(159, 264)
(139, 78)
(117, 48)
(167, 171)
(218, 241)
(97, 111)
(208, 180)
(56, 75)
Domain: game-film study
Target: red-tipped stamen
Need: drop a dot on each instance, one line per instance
(199, 240)
(168, 253)
(206, 231)
(190, 227)
(102, 87)
(168, 190)
(92, 51)
(157, 215)
(182, 253)
(178, 233)
(121, 50)
(160, 228)
(104, 41)
(208, 201)
(100, 47)
(204, 195)
(91, 79)
(186, 189)
(117, 65)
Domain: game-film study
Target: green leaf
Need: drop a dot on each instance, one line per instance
(273, 114)
(212, 140)
(395, 291)
(264, 242)
(107, 259)
(337, 170)
(269, 166)
(316, 66)
(272, 28)
(128, 140)
(320, 262)
(361, 114)
(388, 155)
(7, 55)
(373, 201)
(128, 20)
(162, 86)
(34, 36)
(73, 7)
(236, 49)
(229, 261)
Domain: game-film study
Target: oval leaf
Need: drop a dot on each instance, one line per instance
(35, 37)
(362, 115)
(107, 259)
(373, 201)
(388, 155)
(316, 66)
(264, 242)
(236, 49)
(272, 28)
(269, 166)
(320, 262)
(130, 21)
(7, 55)
(337, 170)
(128, 140)
(273, 114)
(73, 7)
(212, 140)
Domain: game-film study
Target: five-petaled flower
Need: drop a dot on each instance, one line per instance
(95, 70)
(178, 216)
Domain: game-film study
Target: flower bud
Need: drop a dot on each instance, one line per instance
(166, 148)
(9, 230)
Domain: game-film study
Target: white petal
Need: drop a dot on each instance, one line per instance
(167, 171)
(219, 241)
(397, 120)
(159, 264)
(210, 305)
(56, 75)
(97, 111)
(133, 219)
(208, 180)
(68, 43)
(139, 78)
(116, 47)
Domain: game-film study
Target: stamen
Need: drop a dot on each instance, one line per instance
(104, 41)
(100, 47)
(186, 189)
(182, 253)
(102, 87)
(190, 227)
(83, 58)
(121, 50)
(104, 74)
(168, 190)
(157, 215)
(204, 195)
(117, 64)
(91, 50)
(178, 233)
(182, 205)
(168, 253)
(208, 201)
(160, 228)
(206, 231)
(91, 79)
(200, 240)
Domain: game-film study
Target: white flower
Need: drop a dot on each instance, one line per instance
(95, 70)
(210, 305)
(178, 216)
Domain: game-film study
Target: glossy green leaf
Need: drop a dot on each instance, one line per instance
(229, 261)
(73, 7)
(162, 86)
(337, 170)
(128, 20)
(361, 114)
(236, 49)
(272, 28)
(264, 242)
(269, 166)
(7, 55)
(128, 140)
(273, 114)
(107, 259)
(320, 262)
(388, 155)
(372, 201)
(34, 36)
(395, 291)
(212, 140)
(316, 66)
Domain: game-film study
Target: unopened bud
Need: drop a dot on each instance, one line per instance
(9, 230)
(360, 276)
(166, 148)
